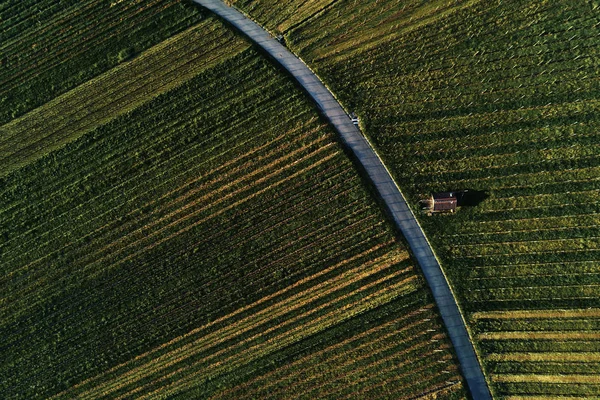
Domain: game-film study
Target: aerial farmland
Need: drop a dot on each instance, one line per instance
(183, 216)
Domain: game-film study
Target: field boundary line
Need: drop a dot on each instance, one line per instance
(383, 183)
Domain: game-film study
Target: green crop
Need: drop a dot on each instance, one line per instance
(495, 96)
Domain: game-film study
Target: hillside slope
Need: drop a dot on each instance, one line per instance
(123, 88)
(214, 241)
(48, 47)
(499, 98)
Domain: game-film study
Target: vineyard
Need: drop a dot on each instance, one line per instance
(500, 98)
(48, 47)
(121, 89)
(209, 239)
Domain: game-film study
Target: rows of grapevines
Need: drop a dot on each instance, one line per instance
(499, 98)
(201, 241)
(48, 47)
(121, 89)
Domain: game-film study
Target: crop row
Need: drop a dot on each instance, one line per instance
(247, 313)
(91, 250)
(63, 40)
(129, 243)
(57, 190)
(389, 289)
(362, 343)
(537, 350)
(320, 374)
(123, 88)
(69, 206)
(76, 42)
(276, 318)
(46, 271)
(127, 159)
(495, 97)
(199, 235)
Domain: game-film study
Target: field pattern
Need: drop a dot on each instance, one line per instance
(216, 241)
(555, 351)
(48, 47)
(499, 97)
(123, 88)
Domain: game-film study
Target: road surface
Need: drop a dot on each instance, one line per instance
(384, 184)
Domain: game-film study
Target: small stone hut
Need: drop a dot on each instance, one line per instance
(443, 202)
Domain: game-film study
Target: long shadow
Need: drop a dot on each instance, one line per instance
(471, 197)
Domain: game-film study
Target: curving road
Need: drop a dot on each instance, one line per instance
(384, 184)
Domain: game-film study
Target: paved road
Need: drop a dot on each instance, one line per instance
(385, 185)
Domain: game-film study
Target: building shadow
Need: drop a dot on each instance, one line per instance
(470, 197)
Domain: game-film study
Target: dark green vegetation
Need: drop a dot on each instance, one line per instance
(496, 96)
(113, 93)
(214, 241)
(48, 47)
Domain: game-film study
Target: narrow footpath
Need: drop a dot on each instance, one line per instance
(384, 184)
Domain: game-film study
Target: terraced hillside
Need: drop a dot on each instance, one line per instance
(214, 241)
(498, 97)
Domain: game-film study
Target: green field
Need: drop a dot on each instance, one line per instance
(209, 239)
(113, 93)
(48, 47)
(499, 97)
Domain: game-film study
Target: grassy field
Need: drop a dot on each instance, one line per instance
(215, 241)
(49, 47)
(498, 97)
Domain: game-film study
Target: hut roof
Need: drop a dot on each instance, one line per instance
(444, 201)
